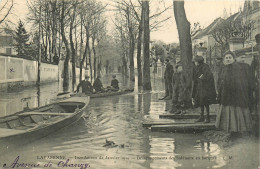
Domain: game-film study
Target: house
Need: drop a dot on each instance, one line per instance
(244, 24)
(203, 42)
(251, 15)
(204, 36)
(7, 42)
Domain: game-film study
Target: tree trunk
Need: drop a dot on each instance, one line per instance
(40, 52)
(94, 55)
(131, 45)
(183, 27)
(86, 52)
(64, 39)
(54, 28)
(99, 67)
(84, 55)
(90, 64)
(146, 47)
(73, 51)
(131, 56)
(81, 50)
(139, 50)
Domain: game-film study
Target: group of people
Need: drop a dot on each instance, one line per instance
(97, 87)
(233, 92)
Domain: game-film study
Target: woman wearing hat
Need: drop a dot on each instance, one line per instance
(204, 93)
(234, 95)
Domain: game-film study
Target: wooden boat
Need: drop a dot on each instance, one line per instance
(27, 126)
(106, 94)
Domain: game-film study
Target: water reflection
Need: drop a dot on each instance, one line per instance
(118, 119)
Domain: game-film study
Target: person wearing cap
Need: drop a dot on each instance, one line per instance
(85, 85)
(204, 93)
(114, 84)
(179, 95)
(235, 96)
(98, 86)
(168, 79)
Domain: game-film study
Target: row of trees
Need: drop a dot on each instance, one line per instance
(70, 30)
(133, 21)
(78, 29)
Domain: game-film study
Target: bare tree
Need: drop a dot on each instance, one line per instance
(183, 26)
(229, 28)
(134, 9)
(146, 69)
(126, 12)
(98, 28)
(5, 9)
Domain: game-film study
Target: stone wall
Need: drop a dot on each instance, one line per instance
(18, 72)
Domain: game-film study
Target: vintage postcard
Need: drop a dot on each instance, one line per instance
(118, 84)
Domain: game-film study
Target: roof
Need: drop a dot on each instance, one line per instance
(237, 17)
(6, 32)
(208, 30)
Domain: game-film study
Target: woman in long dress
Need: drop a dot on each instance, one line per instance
(234, 95)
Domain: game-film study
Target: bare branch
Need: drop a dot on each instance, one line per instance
(8, 10)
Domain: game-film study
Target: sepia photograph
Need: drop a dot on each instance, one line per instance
(129, 84)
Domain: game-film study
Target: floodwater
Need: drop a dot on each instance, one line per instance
(119, 119)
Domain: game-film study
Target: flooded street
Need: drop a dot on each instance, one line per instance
(119, 119)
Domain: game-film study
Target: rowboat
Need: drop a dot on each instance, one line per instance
(27, 126)
(105, 94)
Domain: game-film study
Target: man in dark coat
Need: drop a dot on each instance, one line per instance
(204, 92)
(168, 79)
(98, 86)
(114, 83)
(86, 86)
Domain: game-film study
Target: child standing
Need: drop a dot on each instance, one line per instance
(179, 85)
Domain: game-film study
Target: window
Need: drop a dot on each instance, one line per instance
(8, 51)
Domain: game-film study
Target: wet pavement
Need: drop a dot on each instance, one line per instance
(119, 119)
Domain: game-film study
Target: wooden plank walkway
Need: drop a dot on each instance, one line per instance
(188, 128)
(148, 124)
(183, 116)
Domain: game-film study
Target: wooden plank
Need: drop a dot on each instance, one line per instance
(196, 127)
(45, 113)
(153, 123)
(183, 116)
(7, 132)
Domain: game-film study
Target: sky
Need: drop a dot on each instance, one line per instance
(202, 11)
